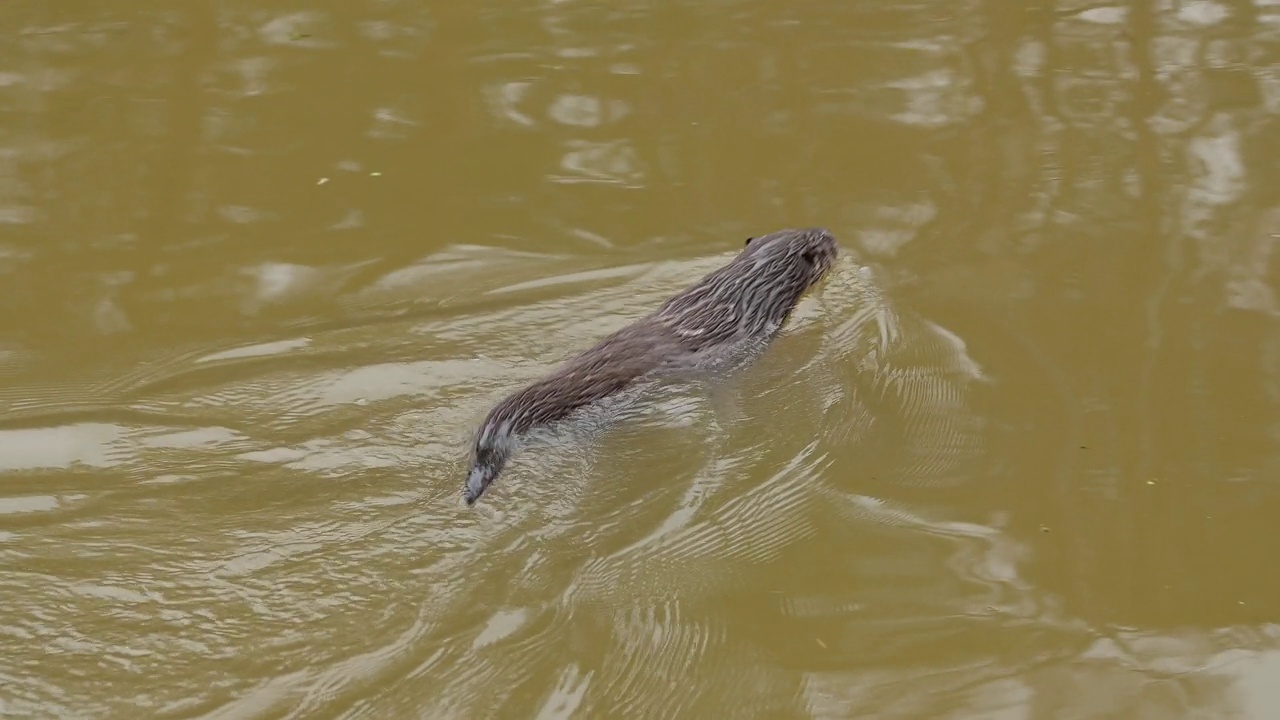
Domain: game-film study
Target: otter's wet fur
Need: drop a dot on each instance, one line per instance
(731, 314)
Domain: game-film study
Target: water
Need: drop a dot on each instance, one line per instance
(265, 266)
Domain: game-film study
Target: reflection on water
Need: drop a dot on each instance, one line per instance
(265, 268)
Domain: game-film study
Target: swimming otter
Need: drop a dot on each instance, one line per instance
(731, 314)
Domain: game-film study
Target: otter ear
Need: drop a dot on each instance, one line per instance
(748, 242)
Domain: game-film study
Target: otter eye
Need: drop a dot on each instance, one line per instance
(810, 257)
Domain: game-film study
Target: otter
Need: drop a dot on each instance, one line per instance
(727, 318)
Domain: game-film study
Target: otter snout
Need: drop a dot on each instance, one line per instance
(479, 480)
(489, 456)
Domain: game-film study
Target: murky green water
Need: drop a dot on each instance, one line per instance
(264, 267)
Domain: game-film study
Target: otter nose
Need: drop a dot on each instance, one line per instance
(477, 482)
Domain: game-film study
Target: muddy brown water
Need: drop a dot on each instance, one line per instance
(265, 265)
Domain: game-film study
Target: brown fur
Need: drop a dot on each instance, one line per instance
(741, 306)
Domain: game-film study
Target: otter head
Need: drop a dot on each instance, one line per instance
(492, 448)
(774, 271)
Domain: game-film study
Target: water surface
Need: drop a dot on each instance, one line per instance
(266, 265)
